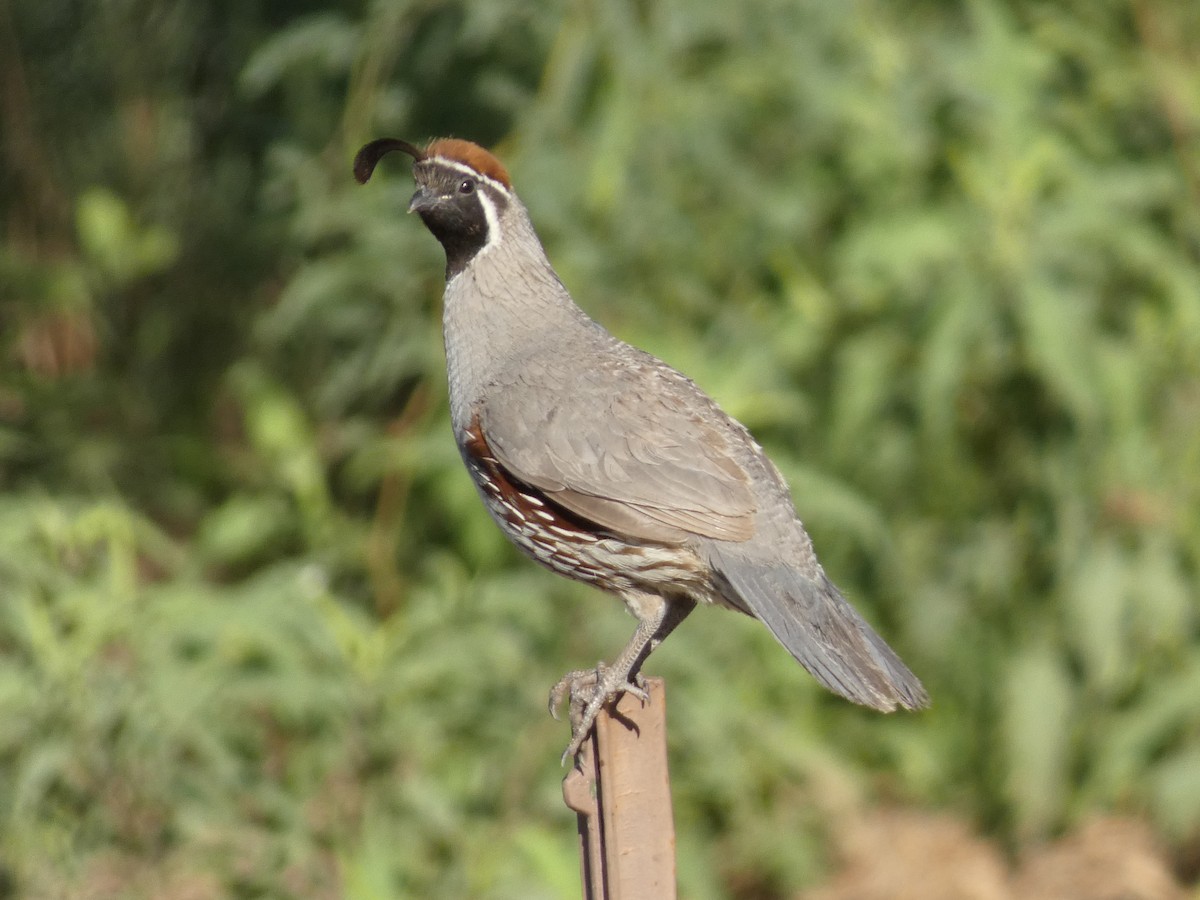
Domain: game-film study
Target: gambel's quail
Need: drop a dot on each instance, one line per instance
(606, 465)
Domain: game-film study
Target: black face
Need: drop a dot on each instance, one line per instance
(451, 204)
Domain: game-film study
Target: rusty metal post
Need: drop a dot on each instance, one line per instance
(621, 790)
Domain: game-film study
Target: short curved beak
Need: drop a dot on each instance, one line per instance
(421, 201)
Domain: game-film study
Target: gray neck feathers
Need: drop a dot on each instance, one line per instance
(504, 305)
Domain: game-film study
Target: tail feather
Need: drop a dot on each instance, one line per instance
(825, 634)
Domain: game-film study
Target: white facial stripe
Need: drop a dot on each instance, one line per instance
(474, 173)
(493, 220)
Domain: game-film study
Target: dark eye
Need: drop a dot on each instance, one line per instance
(467, 186)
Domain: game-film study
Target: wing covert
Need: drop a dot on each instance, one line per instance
(643, 453)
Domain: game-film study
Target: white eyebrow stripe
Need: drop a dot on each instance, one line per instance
(474, 173)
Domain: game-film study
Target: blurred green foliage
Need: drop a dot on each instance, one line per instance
(257, 635)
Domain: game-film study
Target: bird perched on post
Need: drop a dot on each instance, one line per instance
(604, 464)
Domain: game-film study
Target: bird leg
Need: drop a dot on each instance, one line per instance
(590, 689)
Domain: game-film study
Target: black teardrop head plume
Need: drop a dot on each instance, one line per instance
(368, 157)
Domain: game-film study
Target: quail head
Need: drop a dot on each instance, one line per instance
(606, 465)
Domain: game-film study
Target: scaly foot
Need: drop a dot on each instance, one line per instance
(589, 690)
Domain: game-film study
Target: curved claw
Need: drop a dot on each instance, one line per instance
(589, 690)
(572, 684)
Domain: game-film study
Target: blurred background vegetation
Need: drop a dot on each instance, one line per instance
(257, 635)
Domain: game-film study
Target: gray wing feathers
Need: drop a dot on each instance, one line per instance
(653, 463)
(816, 624)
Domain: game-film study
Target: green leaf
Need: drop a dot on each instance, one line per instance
(1036, 731)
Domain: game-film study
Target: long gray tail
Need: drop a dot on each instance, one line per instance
(817, 625)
